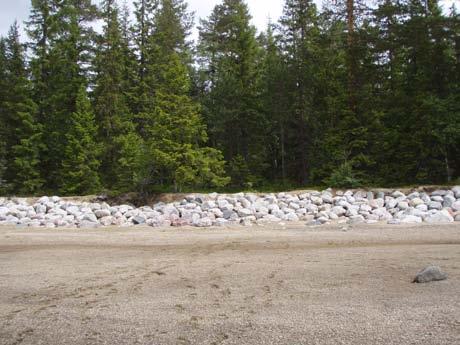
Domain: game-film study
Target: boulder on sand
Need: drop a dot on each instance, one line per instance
(430, 274)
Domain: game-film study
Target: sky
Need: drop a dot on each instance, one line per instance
(261, 11)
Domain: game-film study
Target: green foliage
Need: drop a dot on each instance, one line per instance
(80, 163)
(22, 134)
(129, 168)
(343, 177)
(112, 95)
(229, 55)
(240, 173)
(378, 90)
(174, 127)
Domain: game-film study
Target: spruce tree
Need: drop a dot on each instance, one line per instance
(275, 103)
(62, 38)
(300, 42)
(3, 132)
(111, 96)
(175, 128)
(145, 11)
(177, 133)
(80, 161)
(229, 56)
(22, 133)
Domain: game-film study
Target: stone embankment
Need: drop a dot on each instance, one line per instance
(315, 208)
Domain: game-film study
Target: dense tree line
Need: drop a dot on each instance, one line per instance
(354, 93)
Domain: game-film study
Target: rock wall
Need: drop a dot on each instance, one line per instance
(315, 208)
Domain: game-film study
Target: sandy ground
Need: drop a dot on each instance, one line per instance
(270, 285)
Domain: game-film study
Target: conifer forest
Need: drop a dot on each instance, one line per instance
(351, 93)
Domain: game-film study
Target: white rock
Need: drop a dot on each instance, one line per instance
(437, 198)
(244, 202)
(332, 216)
(102, 213)
(322, 220)
(43, 200)
(439, 192)
(327, 198)
(456, 191)
(350, 199)
(422, 208)
(86, 224)
(316, 200)
(294, 206)
(434, 205)
(203, 222)
(244, 212)
(391, 203)
(376, 203)
(397, 194)
(448, 201)
(4, 211)
(89, 217)
(402, 205)
(217, 212)
(221, 222)
(353, 210)
(208, 205)
(338, 210)
(375, 217)
(456, 205)
(292, 217)
(410, 219)
(40, 208)
(356, 219)
(416, 201)
(55, 199)
(425, 197)
(439, 217)
(413, 195)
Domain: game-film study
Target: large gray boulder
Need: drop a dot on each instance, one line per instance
(102, 213)
(435, 205)
(430, 274)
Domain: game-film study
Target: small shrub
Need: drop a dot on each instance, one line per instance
(343, 177)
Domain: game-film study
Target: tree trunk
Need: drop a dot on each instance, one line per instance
(351, 55)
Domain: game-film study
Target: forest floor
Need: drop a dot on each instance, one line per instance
(286, 285)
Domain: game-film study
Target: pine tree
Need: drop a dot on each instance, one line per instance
(80, 161)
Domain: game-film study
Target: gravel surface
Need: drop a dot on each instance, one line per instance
(260, 285)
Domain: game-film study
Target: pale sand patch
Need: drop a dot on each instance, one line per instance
(258, 285)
